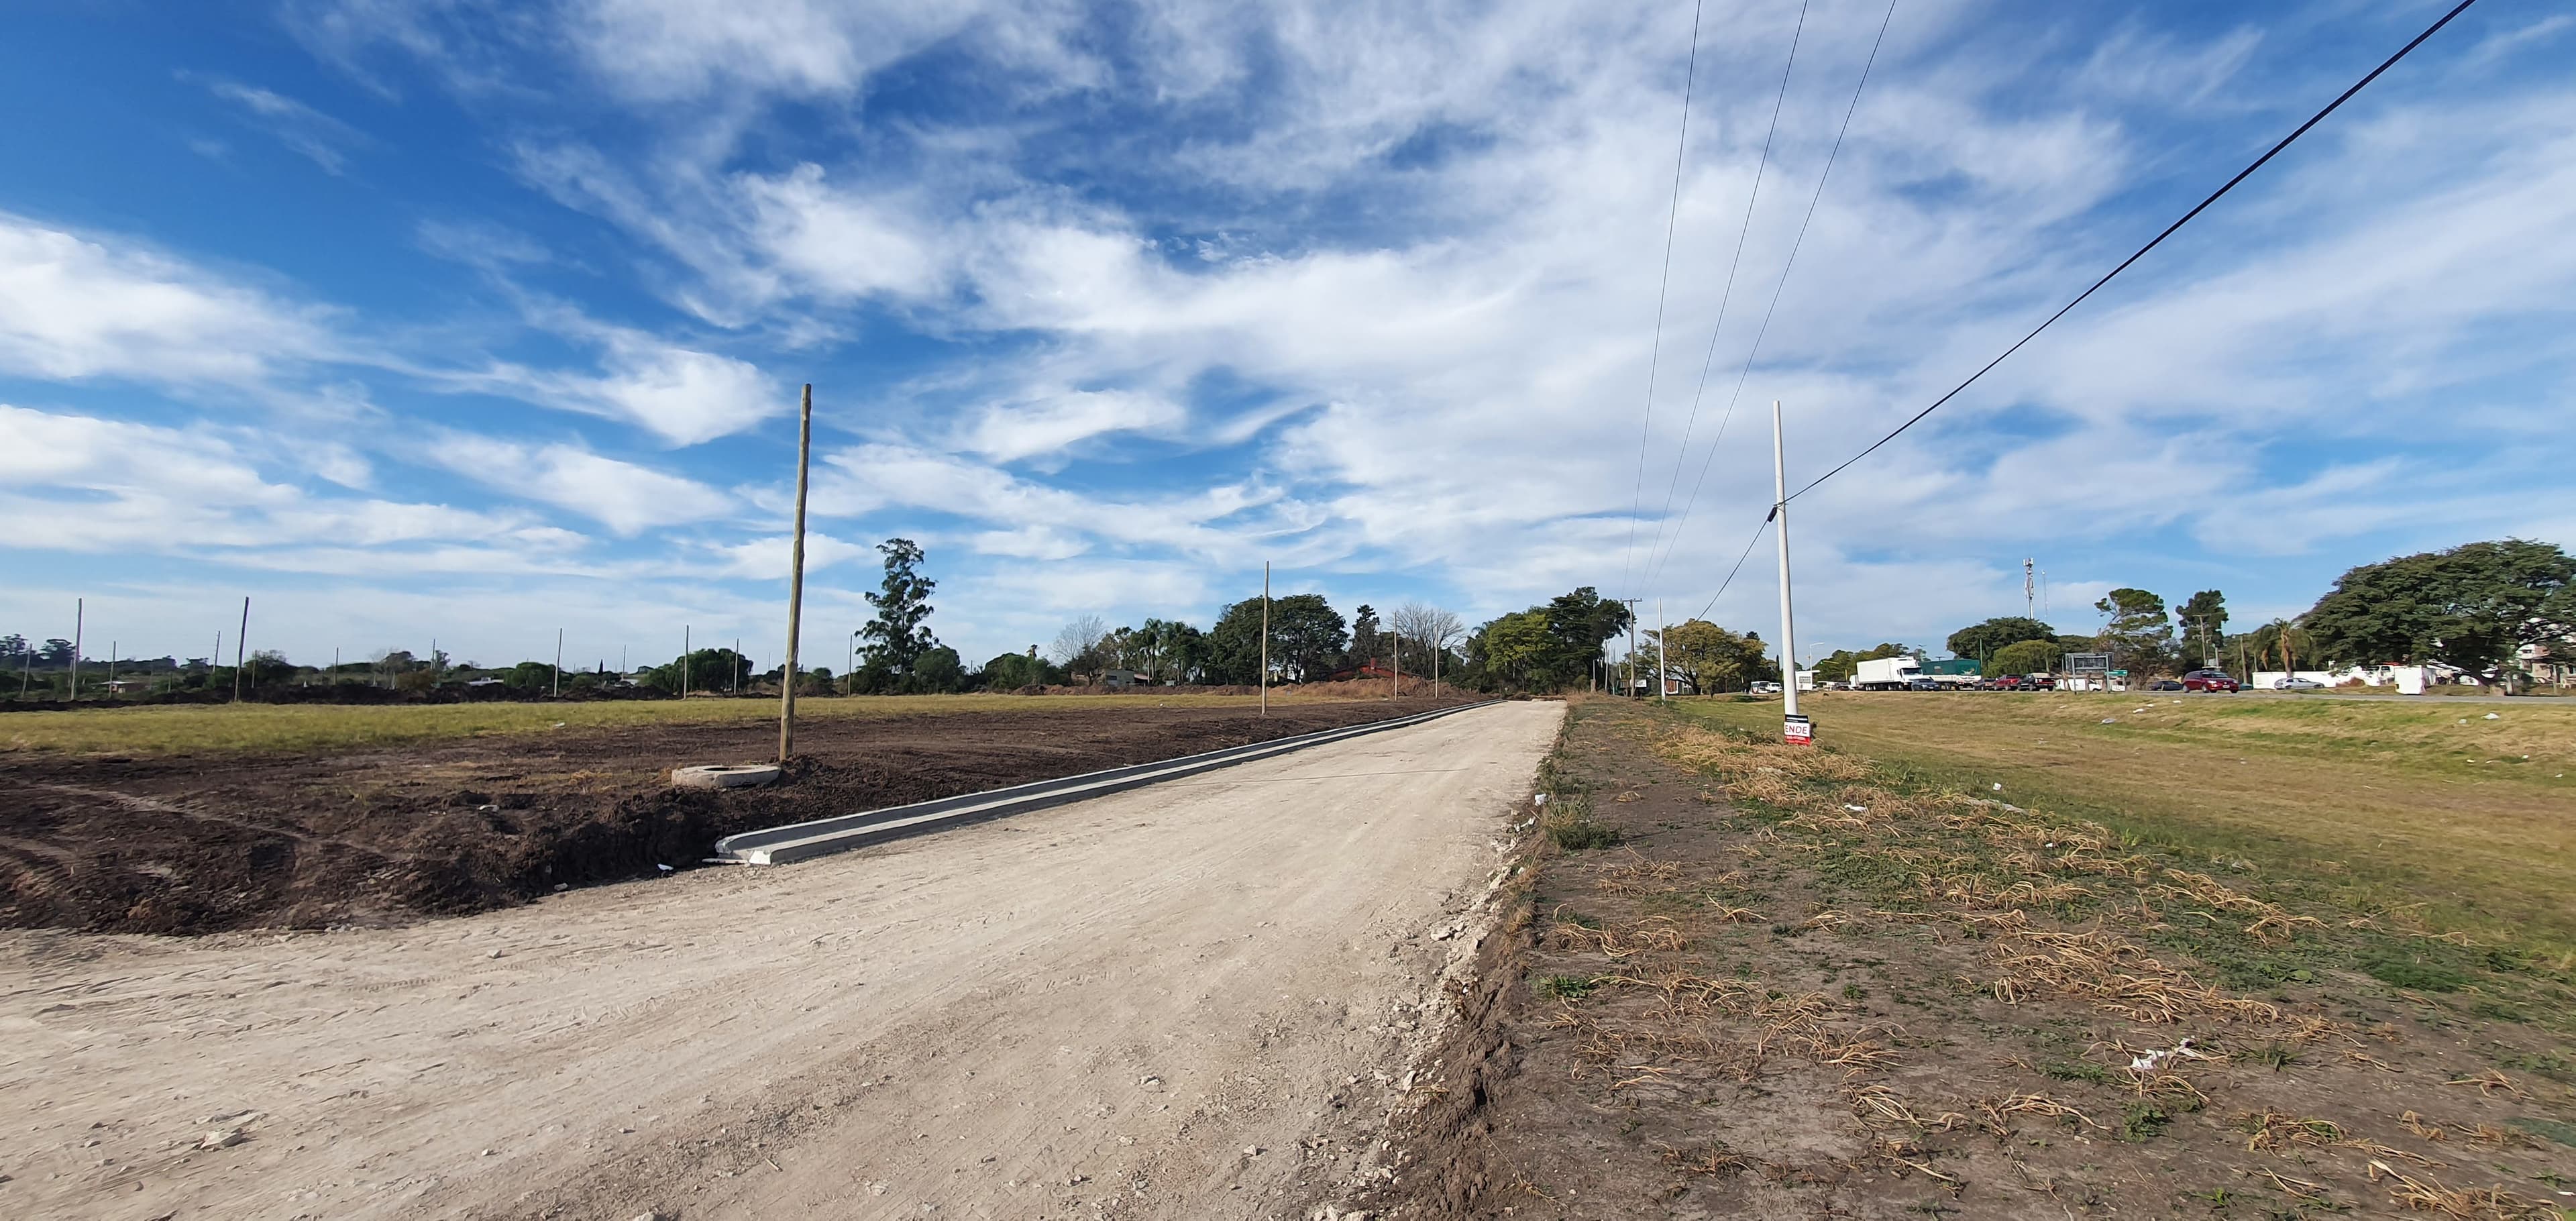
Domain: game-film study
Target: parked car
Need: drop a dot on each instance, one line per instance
(2164, 684)
(1921, 684)
(2208, 680)
(2297, 684)
(1764, 688)
(2041, 682)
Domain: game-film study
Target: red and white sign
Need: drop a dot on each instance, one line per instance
(1798, 730)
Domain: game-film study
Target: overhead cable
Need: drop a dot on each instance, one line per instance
(1646, 431)
(1681, 453)
(2197, 209)
(1654, 566)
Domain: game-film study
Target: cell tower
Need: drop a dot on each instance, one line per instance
(2029, 603)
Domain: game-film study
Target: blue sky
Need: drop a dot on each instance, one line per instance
(469, 320)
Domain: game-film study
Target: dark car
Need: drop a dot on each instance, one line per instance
(2208, 680)
(2165, 684)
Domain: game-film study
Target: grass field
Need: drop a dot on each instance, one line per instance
(291, 728)
(2430, 809)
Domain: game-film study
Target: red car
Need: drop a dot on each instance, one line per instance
(2208, 680)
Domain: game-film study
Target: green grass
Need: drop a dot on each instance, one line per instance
(2372, 863)
(2357, 805)
(301, 728)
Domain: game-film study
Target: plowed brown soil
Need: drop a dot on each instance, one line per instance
(204, 844)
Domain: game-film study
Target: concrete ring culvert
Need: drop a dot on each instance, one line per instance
(724, 775)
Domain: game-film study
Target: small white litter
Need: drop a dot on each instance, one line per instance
(1857, 809)
(2493, 717)
(664, 868)
(2110, 720)
(2155, 1060)
(1999, 788)
(1540, 799)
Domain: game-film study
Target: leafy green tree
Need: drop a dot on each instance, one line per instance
(2140, 634)
(1307, 638)
(1513, 651)
(529, 676)
(2025, 657)
(2282, 643)
(938, 671)
(57, 652)
(896, 638)
(2473, 606)
(1984, 640)
(706, 670)
(1012, 671)
(1708, 658)
(1162, 650)
(1579, 623)
(2204, 625)
(1365, 645)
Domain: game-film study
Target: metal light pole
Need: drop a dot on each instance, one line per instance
(1794, 728)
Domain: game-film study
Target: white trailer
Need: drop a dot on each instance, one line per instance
(1886, 674)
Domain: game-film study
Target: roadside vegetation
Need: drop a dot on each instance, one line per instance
(1826, 981)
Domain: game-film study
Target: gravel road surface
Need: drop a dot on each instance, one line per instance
(1193, 1000)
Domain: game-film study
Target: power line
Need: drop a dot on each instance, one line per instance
(1739, 565)
(1654, 566)
(1681, 454)
(2197, 209)
(1654, 357)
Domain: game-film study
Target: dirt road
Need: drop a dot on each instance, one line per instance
(1193, 1000)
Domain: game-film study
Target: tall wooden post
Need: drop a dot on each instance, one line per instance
(795, 580)
(558, 663)
(80, 610)
(239, 641)
(1265, 637)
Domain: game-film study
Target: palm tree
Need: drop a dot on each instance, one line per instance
(2284, 638)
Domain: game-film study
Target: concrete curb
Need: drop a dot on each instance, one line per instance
(797, 841)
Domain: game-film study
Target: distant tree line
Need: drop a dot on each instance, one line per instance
(2498, 610)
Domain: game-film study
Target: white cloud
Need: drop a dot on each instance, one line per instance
(1009, 432)
(73, 307)
(316, 136)
(626, 498)
(83, 484)
(767, 559)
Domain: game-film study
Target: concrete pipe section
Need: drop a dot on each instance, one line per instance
(724, 775)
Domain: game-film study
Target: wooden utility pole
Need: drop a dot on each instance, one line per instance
(243, 638)
(684, 661)
(1663, 657)
(1265, 637)
(80, 609)
(1397, 649)
(795, 580)
(558, 663)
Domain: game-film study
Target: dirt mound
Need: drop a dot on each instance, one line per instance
(197, 845)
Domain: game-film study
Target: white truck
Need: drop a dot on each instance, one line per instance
(1886, 674)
